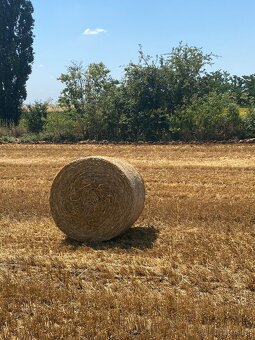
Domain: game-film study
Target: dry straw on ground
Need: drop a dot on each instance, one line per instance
(190, 275)
(96, 198)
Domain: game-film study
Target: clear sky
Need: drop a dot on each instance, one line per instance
(111, 30)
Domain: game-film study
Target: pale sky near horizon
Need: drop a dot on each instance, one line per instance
(111, 31)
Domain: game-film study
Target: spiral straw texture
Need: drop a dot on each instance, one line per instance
(96, 198)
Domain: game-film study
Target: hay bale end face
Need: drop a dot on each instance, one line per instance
(96, 198)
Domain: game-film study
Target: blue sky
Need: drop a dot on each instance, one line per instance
(115, 28)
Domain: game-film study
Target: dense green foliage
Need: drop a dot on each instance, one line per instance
(34, 116)
(16, 55)
(170, 97)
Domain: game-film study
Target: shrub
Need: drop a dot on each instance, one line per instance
(248, 121)
(230, 124)
(34, 116)
(59, 126)
(211, 117)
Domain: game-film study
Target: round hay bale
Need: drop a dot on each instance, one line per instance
(96, 198)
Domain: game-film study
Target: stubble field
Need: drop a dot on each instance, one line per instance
(185, 271)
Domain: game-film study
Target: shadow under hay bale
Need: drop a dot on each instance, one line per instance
(136, 238)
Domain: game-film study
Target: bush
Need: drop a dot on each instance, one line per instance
(248, 121)
(211, 117)
(34, 115)
(231, 123)
(59, 126)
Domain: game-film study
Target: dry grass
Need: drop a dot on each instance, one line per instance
(186, 271)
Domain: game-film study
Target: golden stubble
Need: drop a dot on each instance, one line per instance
(186, 270)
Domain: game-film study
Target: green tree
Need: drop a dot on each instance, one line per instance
(249, 123)
(86, 94)
(16, 55)
(185, 66)
(155, 88)
(249, 86)
(35, 115)
(211, 117)
(59, 126)
(144, 113)
(218, 82)
(238, 90)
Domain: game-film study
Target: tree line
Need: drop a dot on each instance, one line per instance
(162, 98)
(167, 97)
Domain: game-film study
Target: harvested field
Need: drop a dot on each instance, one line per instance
(186, 271)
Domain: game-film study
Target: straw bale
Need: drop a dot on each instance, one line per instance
(96, 198)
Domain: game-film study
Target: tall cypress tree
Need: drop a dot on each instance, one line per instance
(16, 55)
